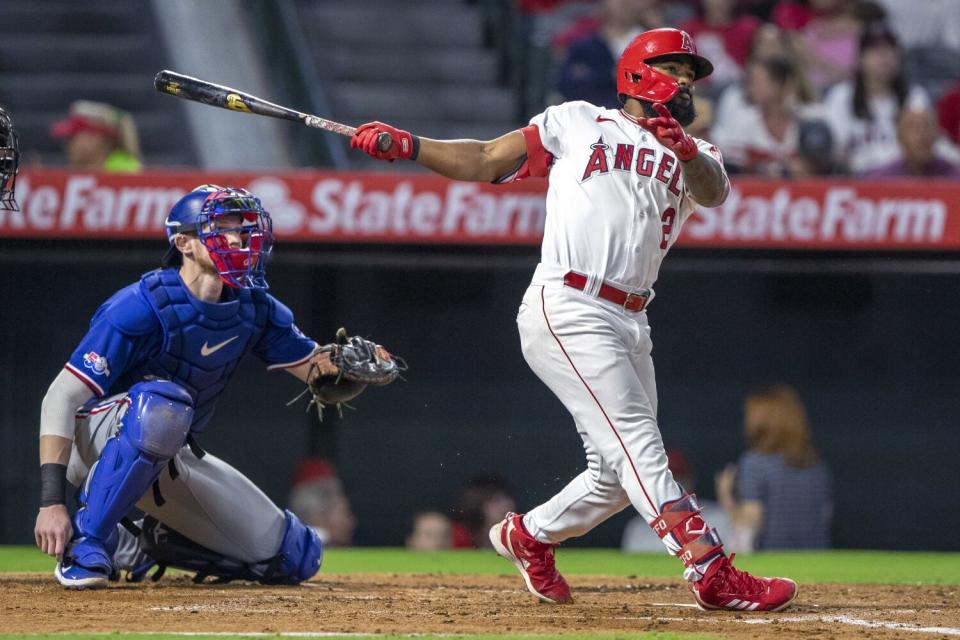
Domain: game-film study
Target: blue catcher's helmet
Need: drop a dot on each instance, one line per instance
(196, 213)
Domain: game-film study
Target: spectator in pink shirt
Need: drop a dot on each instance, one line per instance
(828, 32)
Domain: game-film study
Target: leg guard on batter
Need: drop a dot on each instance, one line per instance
(297, 560)
(681, 519)
(152, 431)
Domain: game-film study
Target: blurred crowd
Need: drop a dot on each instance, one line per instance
(867, 88)
(319, 500)
(778, 495)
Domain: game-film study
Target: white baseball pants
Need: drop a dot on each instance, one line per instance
(596, 358)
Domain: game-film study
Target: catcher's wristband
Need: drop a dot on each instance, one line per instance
(53, 484)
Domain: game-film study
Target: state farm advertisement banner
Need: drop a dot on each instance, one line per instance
(416, 209)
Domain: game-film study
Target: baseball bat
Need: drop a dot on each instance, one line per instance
(216, 95)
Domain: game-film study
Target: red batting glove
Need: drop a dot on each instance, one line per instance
(670, 134)
(366, 138)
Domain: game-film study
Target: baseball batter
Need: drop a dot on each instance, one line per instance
(146, 378)
(621, 184)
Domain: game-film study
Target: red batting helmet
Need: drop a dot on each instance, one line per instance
(648, 47)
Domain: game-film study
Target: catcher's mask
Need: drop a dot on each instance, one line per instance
(9, 162)
(652, 46)
(203, 212)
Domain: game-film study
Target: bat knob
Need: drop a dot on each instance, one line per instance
(384, 142)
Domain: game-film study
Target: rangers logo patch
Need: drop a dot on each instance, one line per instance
(96, 363)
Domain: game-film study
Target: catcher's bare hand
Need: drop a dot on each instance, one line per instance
(53, 530)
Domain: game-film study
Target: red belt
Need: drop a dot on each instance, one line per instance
(627, 300)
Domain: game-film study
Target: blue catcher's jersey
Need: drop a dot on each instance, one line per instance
(157, 329)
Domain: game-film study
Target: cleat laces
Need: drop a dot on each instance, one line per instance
(735, 581)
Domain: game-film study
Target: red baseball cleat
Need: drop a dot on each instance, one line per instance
(532, 558)
(726, 587)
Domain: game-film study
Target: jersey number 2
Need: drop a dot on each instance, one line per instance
(667, 218)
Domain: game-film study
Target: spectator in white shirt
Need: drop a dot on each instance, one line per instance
(760, 137)
(862, 113)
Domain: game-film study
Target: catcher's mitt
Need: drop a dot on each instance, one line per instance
(341, 370)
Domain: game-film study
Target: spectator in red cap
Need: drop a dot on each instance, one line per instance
(99, 137)
(318, 499)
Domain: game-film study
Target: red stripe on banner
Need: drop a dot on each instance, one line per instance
(543, 306)
(330, 206)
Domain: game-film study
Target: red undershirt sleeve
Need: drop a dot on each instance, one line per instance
(538, 162)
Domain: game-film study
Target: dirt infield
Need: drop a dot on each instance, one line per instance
(31, 603)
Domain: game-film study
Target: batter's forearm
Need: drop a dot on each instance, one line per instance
(706, 180)
(457, 159)
(472, 159)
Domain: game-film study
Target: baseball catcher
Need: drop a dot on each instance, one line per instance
(121, 420)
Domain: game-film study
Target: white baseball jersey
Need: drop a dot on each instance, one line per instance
(615, 205)
(616, 200)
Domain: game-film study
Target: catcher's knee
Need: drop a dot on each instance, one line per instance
(300, 554)
(158, 420)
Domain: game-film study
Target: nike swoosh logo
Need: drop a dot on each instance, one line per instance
(207, 351)
(602, 119)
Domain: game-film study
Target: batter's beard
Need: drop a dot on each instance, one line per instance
(682, 111)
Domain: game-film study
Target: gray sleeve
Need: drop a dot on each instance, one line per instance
(751, 478)
(66, 393)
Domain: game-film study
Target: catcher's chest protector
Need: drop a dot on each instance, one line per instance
(203, 342)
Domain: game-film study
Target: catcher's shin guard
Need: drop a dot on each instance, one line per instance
(151, 432)
(681, 520)
(300, 554)
(297, 560)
